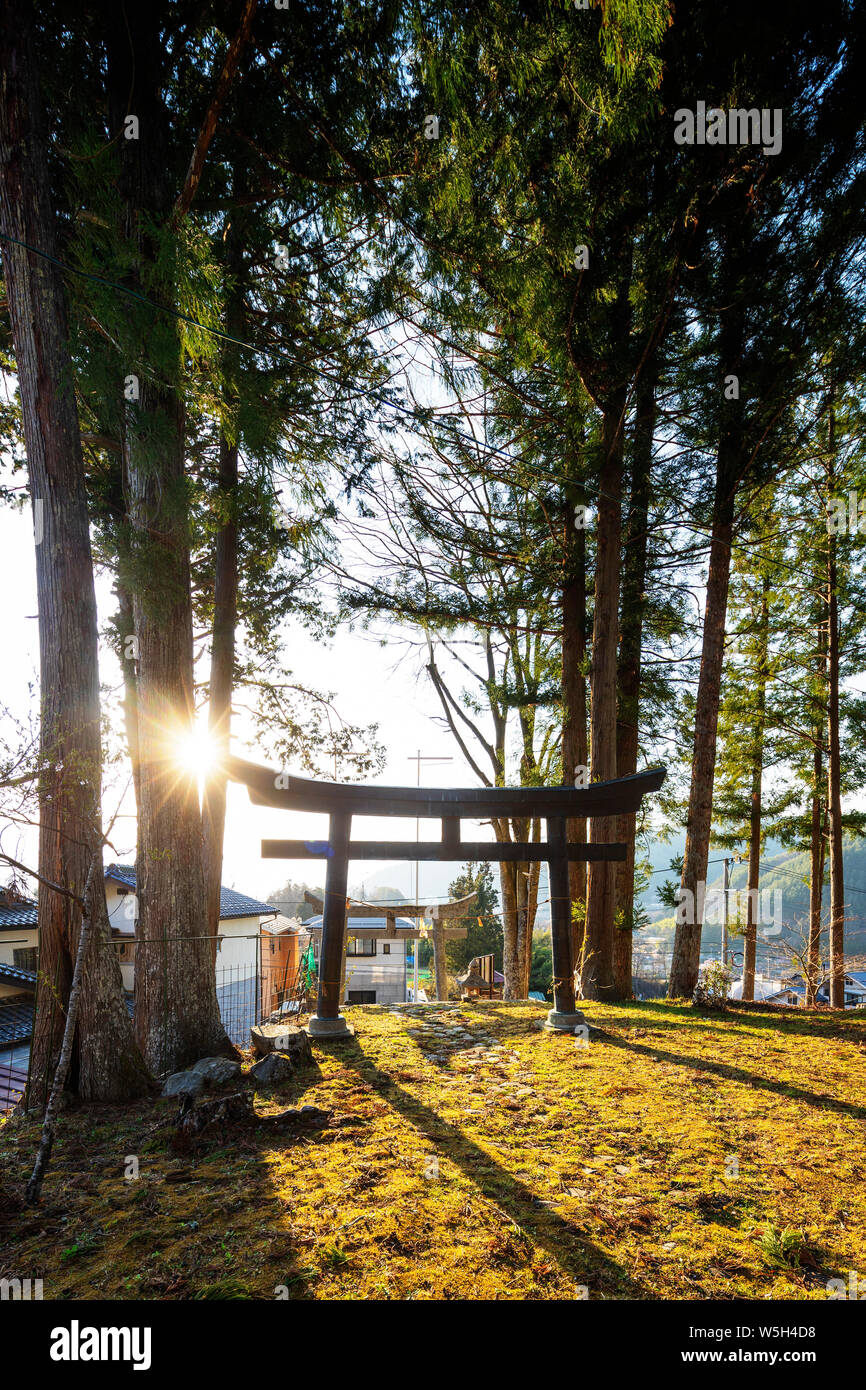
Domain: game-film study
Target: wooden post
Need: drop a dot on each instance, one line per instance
(327, 1016)
(563, 1016)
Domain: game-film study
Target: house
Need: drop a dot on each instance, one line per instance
(18, 948)
(241, 969)
(18, 935)
(283, 942)
(855, 990)
(768, 991)
(240, 952)
(375, 960)
(238, 931)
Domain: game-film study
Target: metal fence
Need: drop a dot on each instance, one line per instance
(256, 980)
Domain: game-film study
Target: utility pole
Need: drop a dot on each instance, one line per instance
(419, 758)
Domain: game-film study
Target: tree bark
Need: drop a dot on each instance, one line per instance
(575, 753)
(176, 1011)
(596, 973)
(440, 969)
(630, 649)
(519, 889)
(757, 738)
(225, 605)
(686, 957)
(508, 886)
(817, 853)
(103, 1060)
(129, 662)
(834, 766)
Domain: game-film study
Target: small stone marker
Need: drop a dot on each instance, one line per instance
(282, 1038)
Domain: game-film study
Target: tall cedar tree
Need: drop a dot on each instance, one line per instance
(106, 1063)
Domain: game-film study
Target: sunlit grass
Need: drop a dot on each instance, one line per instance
(680, 1156)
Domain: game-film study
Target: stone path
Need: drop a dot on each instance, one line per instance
(457, 1042)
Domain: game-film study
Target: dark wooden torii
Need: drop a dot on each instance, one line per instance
(341, 801)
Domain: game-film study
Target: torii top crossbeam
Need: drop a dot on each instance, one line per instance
(599, 803)
(615, 798)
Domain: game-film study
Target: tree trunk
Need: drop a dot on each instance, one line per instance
(834, 770)
(225, 600)
(686, 958)
(129, 662)
(440, 967)
(531, 911)
(574, 743)
(519, 888)
(176, 1010)
(757, 739)
(816, 875)
(818, 831)
(631, 642)
(105, 1063)
(221, 686)
(596, 976)
(511, 965)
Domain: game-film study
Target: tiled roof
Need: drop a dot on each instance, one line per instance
(20, 914)
(232, 904)
(16, 1023)
(14, 975)
(122, 873)
(358, 925)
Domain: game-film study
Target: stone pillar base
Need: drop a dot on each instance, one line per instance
(563, 1023)
(329, 1027)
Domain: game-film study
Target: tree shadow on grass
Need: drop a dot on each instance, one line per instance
(580, 1259)
(823, 1023)
(733, 1073)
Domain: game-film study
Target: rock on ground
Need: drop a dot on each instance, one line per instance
(274, 1069)
(208, 1071)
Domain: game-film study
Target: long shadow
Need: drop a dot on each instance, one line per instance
(677, 1016)
(749, 1078)
(566, 1244)
(818, 1022)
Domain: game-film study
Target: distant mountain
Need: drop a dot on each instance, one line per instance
(782, 872)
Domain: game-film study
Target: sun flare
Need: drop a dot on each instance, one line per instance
(197, 752)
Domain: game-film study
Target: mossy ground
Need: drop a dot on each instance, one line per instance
(678, 1156)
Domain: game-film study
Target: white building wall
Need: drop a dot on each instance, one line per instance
(237, 948)
(15, 939)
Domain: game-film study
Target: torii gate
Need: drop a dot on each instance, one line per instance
(341, 802)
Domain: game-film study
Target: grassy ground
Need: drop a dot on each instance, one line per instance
(678, 1156)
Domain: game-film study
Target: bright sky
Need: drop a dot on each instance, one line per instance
(371, 683)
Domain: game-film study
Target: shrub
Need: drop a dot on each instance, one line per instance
(714, 981)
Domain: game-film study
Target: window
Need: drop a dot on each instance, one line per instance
(361, 946)
(361, 996)
(386, 948)
(26, 957)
